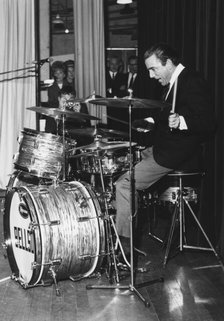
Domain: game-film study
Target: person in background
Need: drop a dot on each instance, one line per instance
(67, 101)
(58, 71)
(70, 72)
(132, 76)
(115, 80)
(115, 88)
(177, 136)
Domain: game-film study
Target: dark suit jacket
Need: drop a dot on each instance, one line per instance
(172, 148)
(134, 87)
(116, 87)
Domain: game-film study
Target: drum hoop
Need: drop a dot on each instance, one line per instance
(35, 239)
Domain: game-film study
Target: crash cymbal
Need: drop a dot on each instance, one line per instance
(125, 103)
(92, 131)
(58, 113)
(99, 145)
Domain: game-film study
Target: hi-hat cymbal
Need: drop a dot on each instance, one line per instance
(99, 145)
(126, 102)
(92, 131)
(58, 113)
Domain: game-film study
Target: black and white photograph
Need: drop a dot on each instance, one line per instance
(111, 160)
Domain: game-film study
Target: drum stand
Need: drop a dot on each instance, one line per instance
(63, 144)
(131, 287)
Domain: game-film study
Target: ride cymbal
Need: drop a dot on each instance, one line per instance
(126, 102)
(58, 113)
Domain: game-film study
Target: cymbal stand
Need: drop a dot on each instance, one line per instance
(131, 287)
(110, 244)
(63, 142)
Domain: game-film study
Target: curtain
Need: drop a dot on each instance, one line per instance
(17, 78)
(90, 51)
(196, 29)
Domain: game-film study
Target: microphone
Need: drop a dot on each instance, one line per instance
(42, 61)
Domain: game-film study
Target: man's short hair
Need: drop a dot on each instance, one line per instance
(67, 90)
(163, 51)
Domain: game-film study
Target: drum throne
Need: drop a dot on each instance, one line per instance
(180, 192)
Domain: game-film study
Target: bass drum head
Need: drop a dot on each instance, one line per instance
(59, 227)
(18, 238)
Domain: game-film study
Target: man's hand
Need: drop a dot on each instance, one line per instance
(174, 121)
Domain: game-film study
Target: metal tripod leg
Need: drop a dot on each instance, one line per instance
(205, 235)
(179, 209)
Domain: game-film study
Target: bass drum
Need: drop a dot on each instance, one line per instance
(53, 230)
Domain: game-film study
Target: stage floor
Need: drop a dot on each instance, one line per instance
(193, 289)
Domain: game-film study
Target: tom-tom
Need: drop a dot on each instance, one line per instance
(41, 154)
(53, 230)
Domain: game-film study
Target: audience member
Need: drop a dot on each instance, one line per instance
(58, 71)
(115, 87)
(131, 76)
(70, 72)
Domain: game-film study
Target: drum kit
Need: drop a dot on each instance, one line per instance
(57, 225)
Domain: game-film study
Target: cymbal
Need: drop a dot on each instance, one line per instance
(58, 113)
(125, 102)
(99, 145)
(92, 131)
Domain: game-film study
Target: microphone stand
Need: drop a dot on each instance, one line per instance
(131, 287)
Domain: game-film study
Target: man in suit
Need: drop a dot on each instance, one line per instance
(115, 88)
(176, 137)
(132, 76)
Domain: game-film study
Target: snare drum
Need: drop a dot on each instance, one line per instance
(112, 162)
(58, 228)
(41, 154)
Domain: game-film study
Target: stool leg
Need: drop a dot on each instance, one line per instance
(205, 235)
(175, 216)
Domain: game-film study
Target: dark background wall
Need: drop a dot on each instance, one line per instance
(195, 28)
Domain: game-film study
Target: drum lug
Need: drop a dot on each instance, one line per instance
(58, 261)
(33, 225)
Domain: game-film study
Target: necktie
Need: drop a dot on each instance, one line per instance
(165, 91)
(131, 82)
(113, 75)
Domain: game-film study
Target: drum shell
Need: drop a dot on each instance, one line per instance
(42, 154)
(113, 161)
(67, 233)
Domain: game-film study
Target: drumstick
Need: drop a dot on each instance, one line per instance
(174, 97)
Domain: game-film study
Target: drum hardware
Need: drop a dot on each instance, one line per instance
(35, 265)
(54, 275)
(34, 225)
(129, 103)
(111, 261)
